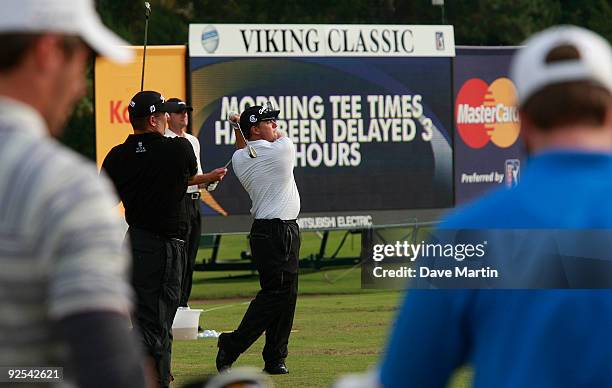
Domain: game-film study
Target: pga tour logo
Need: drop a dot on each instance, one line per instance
(210, 39)
(439, 41)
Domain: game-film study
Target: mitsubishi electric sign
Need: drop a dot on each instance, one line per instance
(291, 40)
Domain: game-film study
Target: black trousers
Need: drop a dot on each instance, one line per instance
(156, 278)
(193, 244)
(275, 245)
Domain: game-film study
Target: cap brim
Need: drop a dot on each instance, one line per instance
(105, 42)
(183, 107)
(175, 107)
(271, 115)
(166, 108)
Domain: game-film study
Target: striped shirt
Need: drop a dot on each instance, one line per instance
(61, 244)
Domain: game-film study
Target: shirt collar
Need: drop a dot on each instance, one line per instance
(16, 114)
(570, 156)
(569, 160)
(170, 133)
(148, 136)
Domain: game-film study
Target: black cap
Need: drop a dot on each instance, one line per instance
(147, 103)
(178, 105)
(254, 115)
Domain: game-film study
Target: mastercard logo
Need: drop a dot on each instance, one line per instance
(487, 113)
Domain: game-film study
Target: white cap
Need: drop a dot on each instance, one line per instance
(531, 73)
(71, 17)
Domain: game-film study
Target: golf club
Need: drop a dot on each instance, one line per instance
(213, 186)
(144, 52)
(233, 118)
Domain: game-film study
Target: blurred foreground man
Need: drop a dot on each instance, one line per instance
(151, 173)
(64, 297)
(529, 338)
(266, 173)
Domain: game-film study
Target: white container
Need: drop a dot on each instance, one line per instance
(185, 325)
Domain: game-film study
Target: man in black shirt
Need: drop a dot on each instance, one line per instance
(151, 173)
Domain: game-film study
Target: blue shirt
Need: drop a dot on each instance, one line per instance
(518, 338)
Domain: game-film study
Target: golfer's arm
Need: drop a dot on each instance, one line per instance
(240, 143)
(201, 179)
(103, 174)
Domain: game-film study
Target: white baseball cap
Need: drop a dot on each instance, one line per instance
(72, 17)
(531, 73)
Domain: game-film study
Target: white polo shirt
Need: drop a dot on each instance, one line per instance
(269, 178)
(195, 144)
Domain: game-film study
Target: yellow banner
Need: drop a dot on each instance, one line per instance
(116, 84)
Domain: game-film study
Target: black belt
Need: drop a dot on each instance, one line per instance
(194, 195)
(273, 221)
(135, 230)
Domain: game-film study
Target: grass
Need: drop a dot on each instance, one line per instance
(333, 333)
(233, 244)
(338, 327)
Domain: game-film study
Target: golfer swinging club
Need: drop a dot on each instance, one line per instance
(274, 238)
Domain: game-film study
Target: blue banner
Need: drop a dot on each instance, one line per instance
(488, 150)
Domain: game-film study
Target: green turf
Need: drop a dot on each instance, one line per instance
(331, 335)
(220, 285)
(232, 245)
(338, 327)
